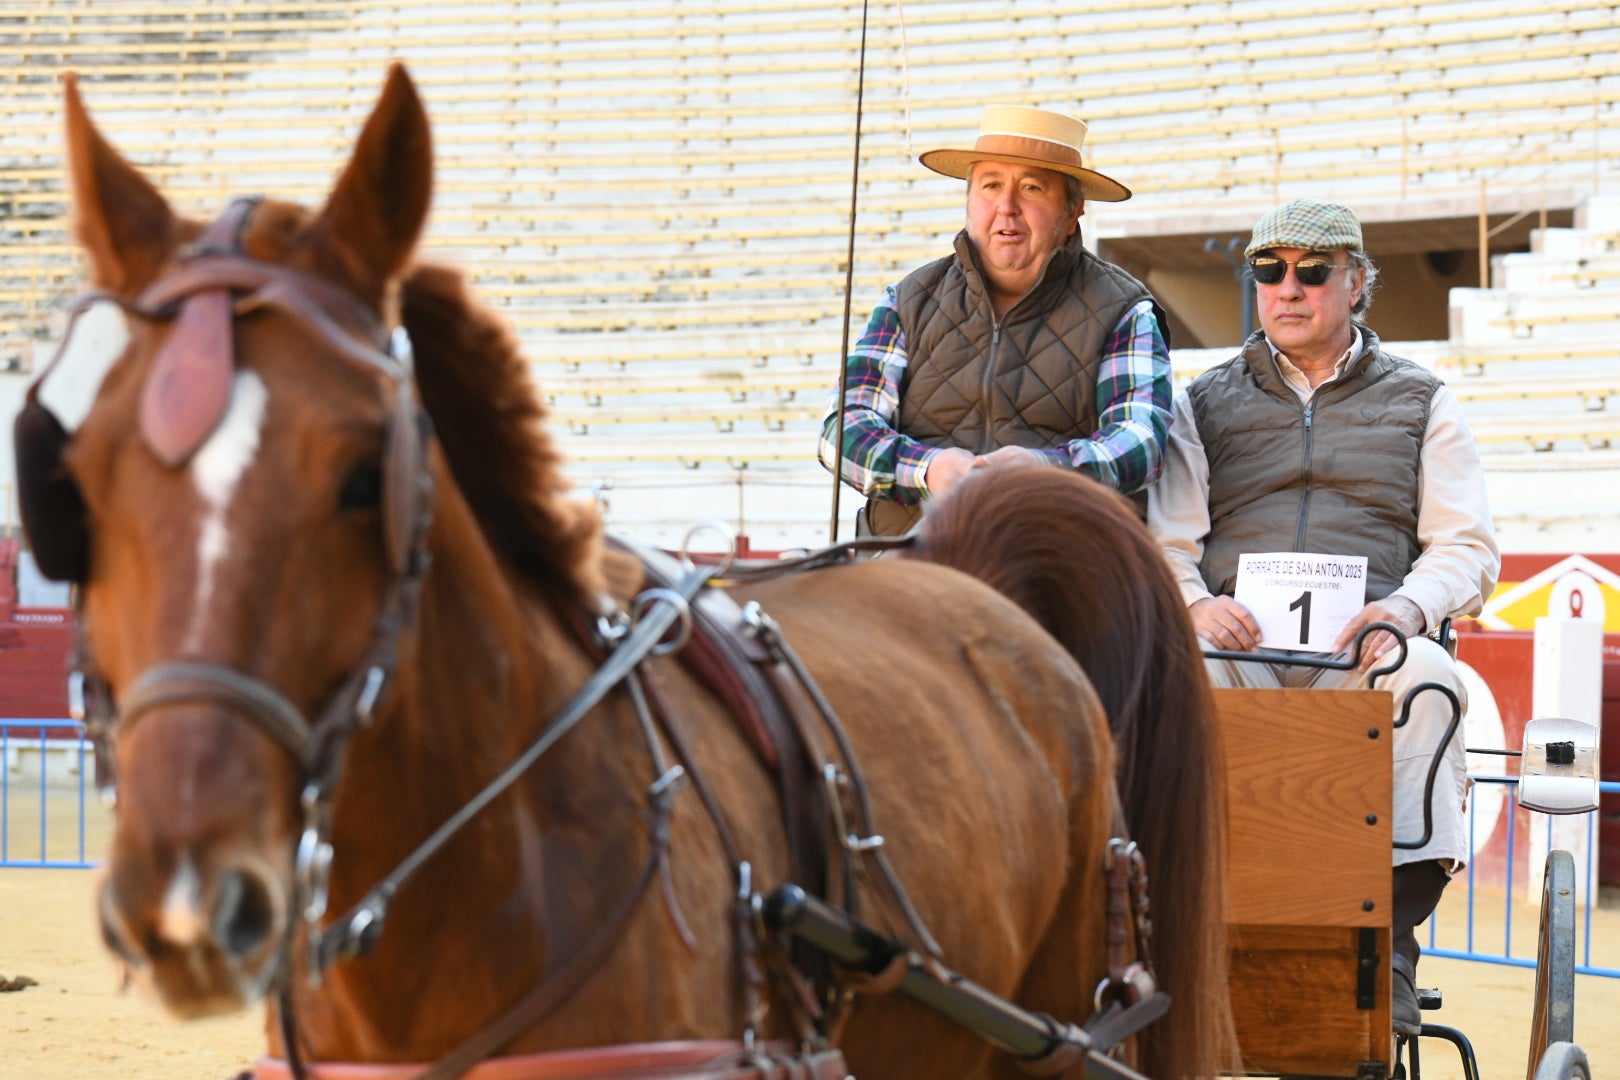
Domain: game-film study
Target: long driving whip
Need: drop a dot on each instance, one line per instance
(849, 284)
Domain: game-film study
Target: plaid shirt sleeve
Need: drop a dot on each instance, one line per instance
(1126, 452)
(878, 460)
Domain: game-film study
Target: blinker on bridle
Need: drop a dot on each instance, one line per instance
(185, 396)
(188, 387)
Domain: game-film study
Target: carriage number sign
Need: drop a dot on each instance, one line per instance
(1300, 599)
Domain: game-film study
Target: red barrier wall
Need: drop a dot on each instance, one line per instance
(34, 647)
(1504, 659)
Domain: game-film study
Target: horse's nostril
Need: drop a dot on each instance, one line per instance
(243, 914)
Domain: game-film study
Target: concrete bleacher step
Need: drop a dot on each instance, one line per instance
(736, 384)
(1547, 431)
(1500, 317)
(1591, 391)
(1573, 243)
(1540, 272)
(734, 450)
(724, 349)
(661, 418)
(1599, 214)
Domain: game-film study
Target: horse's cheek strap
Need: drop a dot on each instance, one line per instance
(405, 483)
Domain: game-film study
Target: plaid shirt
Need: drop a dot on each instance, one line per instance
(1126, 452)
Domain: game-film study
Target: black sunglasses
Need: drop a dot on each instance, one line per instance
(1312, 270)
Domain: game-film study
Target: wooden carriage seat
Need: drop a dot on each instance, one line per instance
(1308, 886)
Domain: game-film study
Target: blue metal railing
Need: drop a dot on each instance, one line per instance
(1506, 957)
(46, 736)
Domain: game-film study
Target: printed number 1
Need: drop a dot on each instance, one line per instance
(1304, 606)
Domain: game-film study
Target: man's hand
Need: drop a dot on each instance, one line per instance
(1008, 455)
(946, 468)
(1406, 616)
(1225, 624)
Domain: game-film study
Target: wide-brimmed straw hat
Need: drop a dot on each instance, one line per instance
(1027, 136)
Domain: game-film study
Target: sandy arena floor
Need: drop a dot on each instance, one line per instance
(76, 1024)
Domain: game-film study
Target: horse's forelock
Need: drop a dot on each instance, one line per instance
(273, 230)
(490, 422)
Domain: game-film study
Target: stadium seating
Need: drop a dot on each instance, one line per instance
(658, 195)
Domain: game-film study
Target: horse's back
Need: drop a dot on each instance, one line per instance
(990, 772)
(906, 650)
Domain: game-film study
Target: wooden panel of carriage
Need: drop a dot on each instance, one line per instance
(1309, 789)
(1308, 877)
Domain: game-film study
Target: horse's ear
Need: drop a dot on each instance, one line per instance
(125, 227)
(375, 214)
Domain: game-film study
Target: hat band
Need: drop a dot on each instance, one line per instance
(1025, 147)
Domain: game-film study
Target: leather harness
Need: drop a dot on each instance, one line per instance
(738, 652)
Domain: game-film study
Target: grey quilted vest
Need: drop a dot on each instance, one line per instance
(1337, 475)
(1030, 381)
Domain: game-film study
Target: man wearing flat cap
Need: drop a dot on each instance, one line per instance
(1314, 470)
(1019, 347)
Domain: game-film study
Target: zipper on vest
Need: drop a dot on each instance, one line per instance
(1305, 493)
(985, 403)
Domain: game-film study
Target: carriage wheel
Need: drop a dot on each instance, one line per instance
(1564, 1061)
(1553, 1022)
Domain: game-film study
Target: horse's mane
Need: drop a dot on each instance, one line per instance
(490, 424)
(1075, 556)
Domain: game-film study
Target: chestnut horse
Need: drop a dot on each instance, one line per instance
(320, 631)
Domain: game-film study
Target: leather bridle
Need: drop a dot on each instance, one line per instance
(343, 325)
(339, 322)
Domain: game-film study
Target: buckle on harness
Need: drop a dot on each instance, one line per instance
(837, 785)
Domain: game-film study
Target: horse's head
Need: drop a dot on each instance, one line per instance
(238, 507)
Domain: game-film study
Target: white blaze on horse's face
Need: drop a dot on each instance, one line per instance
(217, 469)
(98, 339)
(182, 921)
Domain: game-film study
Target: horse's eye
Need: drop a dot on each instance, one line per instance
(362, 488)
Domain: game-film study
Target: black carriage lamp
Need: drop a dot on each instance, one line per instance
(1231, 250)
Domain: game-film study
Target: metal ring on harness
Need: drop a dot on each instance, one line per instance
(728, 555)
(683, 617)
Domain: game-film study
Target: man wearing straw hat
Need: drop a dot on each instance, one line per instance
(1019, 347)
(1315, 449)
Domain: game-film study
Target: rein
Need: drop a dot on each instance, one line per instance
(354, 932)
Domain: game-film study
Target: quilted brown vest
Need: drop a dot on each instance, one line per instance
(1337, 475)
(1029, 381)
